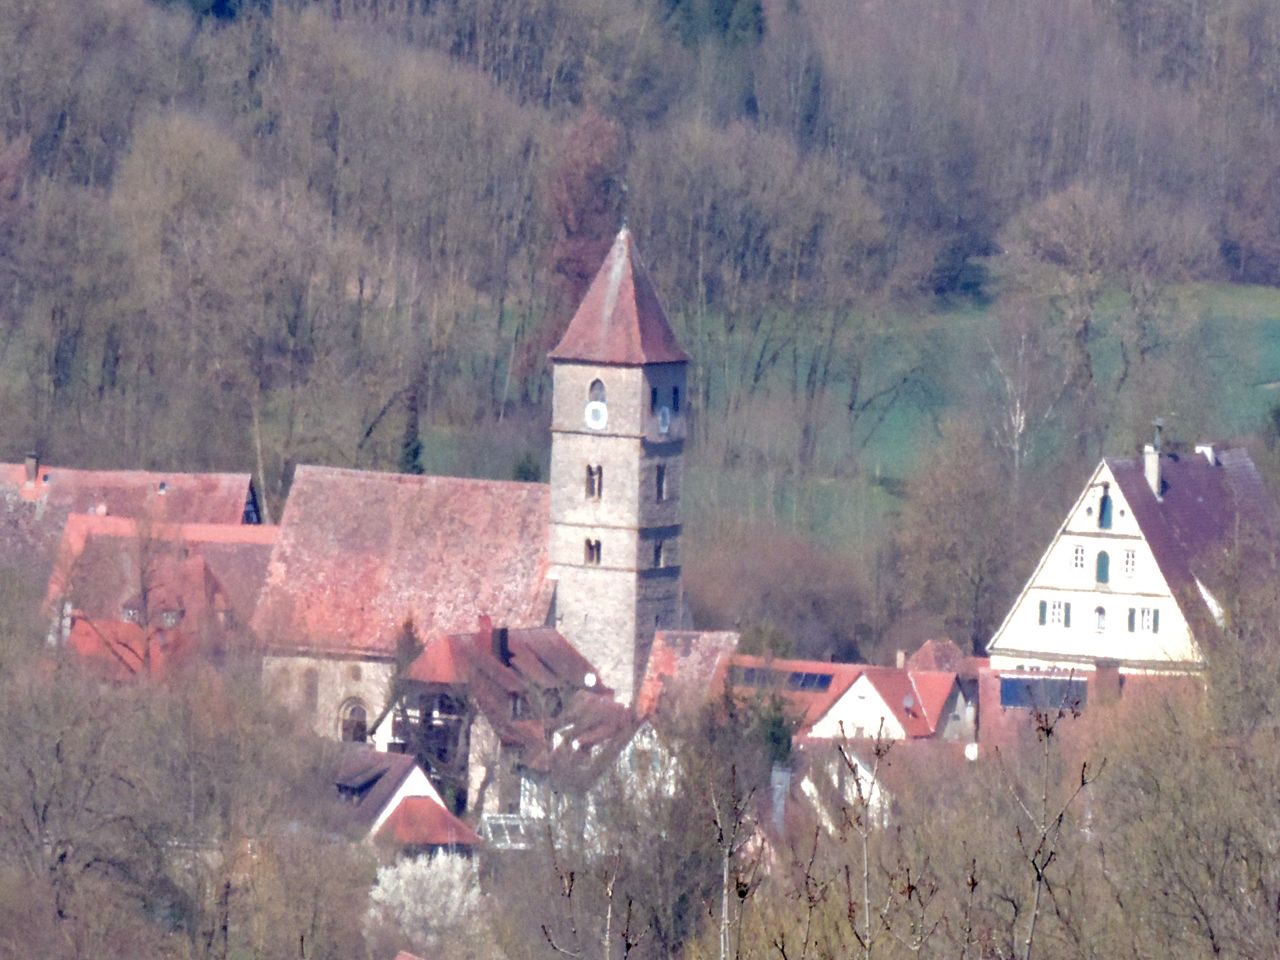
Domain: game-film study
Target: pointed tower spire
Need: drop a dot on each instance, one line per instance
(620, 320)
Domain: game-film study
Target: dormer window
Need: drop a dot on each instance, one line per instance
(595, 482)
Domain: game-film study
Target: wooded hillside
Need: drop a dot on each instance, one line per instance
(914, 246)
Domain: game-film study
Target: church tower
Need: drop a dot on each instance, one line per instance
(617, 455)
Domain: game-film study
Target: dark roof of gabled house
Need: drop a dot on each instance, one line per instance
(367, 782)
(1211, 505)
(620, 320)
(543, 683)
(360, 553)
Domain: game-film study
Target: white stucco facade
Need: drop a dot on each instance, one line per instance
(1097, 594)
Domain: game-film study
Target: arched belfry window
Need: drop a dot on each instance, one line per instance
(1104, 511)
(596, 391)
(354, 721)
(1104, 567)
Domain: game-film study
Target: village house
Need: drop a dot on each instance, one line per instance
(36, 499)
(1134, 583)
(387, 799)
(134, 597)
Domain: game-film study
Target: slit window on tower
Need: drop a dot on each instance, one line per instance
(660, 483)
(675, 399)
(653, 399)
(659, 560)
(591, 553)
(595, 482)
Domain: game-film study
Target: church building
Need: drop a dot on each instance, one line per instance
(363, 560)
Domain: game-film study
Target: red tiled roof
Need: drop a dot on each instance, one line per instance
(423, 822)
(32, 514)
(359, 553)
(116, 650)
(682, 662)
(807, 705)
(405, 955)
(100, 561)
(620, 320)
(925, 690)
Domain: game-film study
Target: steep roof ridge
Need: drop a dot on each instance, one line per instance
(620, 319)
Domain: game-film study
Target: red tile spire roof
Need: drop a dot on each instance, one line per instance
(620, 320)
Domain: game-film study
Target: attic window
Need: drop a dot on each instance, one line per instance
(1104, 512)
(595, 482)
(596, 391)
(591, 553)
(353, 721)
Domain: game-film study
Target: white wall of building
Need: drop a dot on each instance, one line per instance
(1066, 583)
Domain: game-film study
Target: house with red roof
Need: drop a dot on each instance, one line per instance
(36, 499)
(132, 597)
(387, 799)
(501, 716)
(851, 701)
(1134, 582)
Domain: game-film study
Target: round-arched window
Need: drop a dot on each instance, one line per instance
(354, 721)
(596, 391)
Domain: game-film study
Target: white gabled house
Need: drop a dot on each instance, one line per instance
(1135, 577)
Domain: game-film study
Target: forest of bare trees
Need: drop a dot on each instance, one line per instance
(248, 235)
(920, 250)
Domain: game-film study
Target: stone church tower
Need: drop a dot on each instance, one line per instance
(617, 457)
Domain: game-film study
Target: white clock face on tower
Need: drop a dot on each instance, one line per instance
(596, 415)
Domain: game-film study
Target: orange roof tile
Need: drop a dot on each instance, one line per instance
(808, 701)
(423, 822)
(32, 513)
(620, 320)
(682, 662)
(100, 559)
(811, 688)
(117, 650)
(360, 552)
